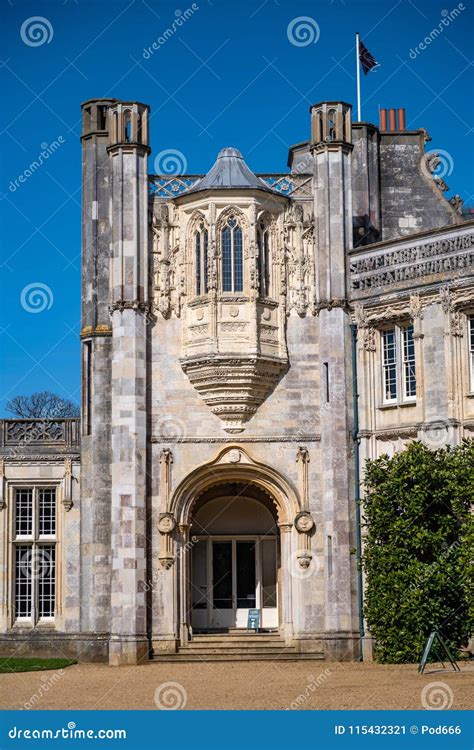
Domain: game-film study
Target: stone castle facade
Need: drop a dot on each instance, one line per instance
(247, 343)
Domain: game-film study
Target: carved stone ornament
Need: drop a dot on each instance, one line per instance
(304, 559)
(166, 523)
(366, 331)
(304, 522)
(234, 386)
(67, 485)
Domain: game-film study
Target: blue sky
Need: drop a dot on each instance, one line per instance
(230, 74)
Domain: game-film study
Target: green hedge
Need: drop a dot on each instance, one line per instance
(418, 549)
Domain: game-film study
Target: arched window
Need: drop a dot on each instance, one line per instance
(263, 244)
(127, 127)
(332, 125)
(200, 244)
(232, 256)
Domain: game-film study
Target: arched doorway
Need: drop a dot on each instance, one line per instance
(235, 558)
(268, 502)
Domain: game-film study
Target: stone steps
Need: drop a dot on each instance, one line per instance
(200, 657)
(237, 646)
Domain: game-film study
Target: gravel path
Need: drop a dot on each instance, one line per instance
(244, 685)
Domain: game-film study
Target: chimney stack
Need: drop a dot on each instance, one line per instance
(401, 119)
(396, 120)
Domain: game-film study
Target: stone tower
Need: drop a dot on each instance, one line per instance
(96, 340)
(128, 152)
(114, 335)
(332, 150)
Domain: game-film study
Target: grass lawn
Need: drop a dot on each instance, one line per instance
(9, 664)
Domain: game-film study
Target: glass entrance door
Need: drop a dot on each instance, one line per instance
(245, 581)
(223, 600)
(234, 582)
(231, 576)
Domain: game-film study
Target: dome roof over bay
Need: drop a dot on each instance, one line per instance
(229, 172)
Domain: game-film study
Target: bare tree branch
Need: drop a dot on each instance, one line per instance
(43, 405)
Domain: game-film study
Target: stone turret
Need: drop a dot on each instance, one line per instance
(96, 345)
(128, 152)
(332, 149)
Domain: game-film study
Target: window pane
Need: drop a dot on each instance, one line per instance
(409, 362)
(245, 574)
(45, 573)
(23, 580)
(226, 260)
(24, 512)
(389, 364)
(238, 260)
(47, 512)
(269, 578)
(222, 575)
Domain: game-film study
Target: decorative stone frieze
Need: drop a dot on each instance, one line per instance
(450, 251)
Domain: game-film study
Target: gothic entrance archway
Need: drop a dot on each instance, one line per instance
(235, 560)
(235, 520)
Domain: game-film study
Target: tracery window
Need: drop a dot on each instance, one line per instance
(263, 243)
(232, 256)
(398, 364)
(34, 554)
(201, 259)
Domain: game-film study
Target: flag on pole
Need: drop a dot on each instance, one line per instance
(367, 60)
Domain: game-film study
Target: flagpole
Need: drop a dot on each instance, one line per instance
(358, 77)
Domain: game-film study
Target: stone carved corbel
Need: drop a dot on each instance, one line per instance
(416, 312)
(67, 485)
(166, 520)
(454, 321)
(2, 484)
(367, 332)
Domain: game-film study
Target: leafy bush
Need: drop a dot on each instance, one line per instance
(418, 549)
